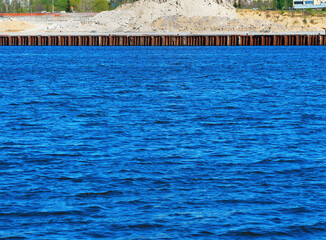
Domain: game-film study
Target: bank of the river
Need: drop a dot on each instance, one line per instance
(164, 40)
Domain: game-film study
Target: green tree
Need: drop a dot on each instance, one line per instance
(76, 5)
(2, 7)
(47, 5)
(274, 4)
(60, 5)
(100, 5)
(37, 6)
(280, 4)
(289, 4)
(68, 6)
(17, 7)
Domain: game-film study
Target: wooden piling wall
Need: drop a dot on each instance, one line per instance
(167, 40)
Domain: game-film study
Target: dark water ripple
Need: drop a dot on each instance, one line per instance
(162, 143)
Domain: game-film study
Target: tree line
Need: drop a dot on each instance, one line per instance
(18, 6)
(264, 4)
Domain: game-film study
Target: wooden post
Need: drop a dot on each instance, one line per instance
(286, 40)
(69, 40)
(251, 42)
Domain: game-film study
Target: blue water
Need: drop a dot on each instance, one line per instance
(162, 143)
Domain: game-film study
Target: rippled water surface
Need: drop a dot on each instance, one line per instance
(162, 142)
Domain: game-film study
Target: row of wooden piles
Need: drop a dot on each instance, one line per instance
(169, 40)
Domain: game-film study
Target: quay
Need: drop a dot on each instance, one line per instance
(163, 40)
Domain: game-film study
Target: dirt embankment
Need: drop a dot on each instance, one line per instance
(15, 26)
(290, 20)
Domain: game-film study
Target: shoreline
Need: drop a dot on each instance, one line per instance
(164, 40)
(222, 33)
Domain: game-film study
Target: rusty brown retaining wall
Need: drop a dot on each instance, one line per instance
(169, 40)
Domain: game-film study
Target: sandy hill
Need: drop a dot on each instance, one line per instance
(155, 15)
(15, 26)
(188, 16)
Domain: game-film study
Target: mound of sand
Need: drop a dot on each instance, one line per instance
(15, 26)
(182, 16)
(144, 15)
